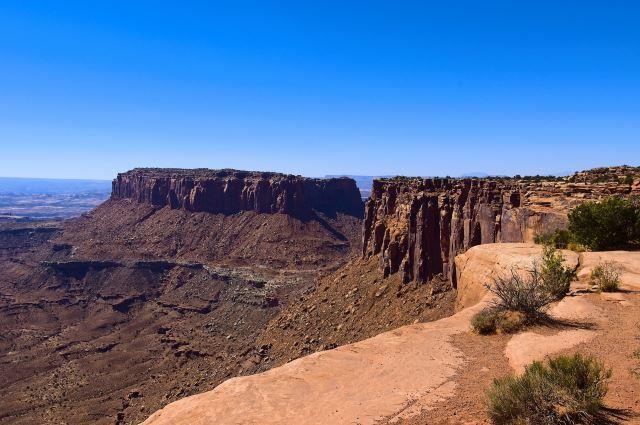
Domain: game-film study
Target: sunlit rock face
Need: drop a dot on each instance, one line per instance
(231, 191)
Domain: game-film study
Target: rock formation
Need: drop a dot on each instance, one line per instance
(231, 191)
(417, 226)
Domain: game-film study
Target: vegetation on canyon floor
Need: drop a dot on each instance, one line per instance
(565, 390)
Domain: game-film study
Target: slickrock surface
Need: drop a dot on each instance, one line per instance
(422, 373)
(628, 262)
(417, 226)
(231, 191)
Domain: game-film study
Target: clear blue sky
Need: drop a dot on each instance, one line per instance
(88, 89)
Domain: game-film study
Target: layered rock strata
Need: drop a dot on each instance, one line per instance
(231, 191)
(417, 226)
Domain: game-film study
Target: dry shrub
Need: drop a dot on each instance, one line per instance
(492, 320)
(606, 276)
(565, 390)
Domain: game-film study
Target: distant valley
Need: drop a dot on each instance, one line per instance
(41, 199)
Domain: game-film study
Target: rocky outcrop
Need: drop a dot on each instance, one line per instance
(231, 191)
(417, 226)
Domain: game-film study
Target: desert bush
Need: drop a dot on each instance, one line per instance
(485, 321)
(520, 292)
(613, 223)
(606, 276)
(556, 277)
(565, 390)
(559, 238)
(492, 320)
(628, 179)
(521, 297)
(576, 247)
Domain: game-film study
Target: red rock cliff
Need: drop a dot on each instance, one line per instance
(417, 226)
(231, 191)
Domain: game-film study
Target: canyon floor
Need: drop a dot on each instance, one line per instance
(437, 372)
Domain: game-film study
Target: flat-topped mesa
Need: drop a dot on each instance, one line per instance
(418, 225)
(230, 191)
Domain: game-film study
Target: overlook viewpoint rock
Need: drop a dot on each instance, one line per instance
(230, 191)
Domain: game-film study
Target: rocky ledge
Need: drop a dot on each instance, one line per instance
(417, 226)
(230, 191)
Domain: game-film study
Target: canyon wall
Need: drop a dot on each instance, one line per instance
(231, 191)
(417, 226)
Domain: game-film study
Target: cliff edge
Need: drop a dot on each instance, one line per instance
(230, 191)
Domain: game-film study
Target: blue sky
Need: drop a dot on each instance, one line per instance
(88, 89)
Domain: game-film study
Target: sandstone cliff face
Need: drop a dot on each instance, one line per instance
(417, 226)
(232, 191)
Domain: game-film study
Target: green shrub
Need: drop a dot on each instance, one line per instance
(485, 322)
(606, 276)
(613, 223)
(530, 292)
(556, 278)
(492, 320)
(566, 390)
(522, 297)
(628, 179)
(559, 238)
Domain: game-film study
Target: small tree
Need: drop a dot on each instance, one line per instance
(613, 223)
(556, 278)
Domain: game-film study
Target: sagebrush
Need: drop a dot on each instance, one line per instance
(565, 390)
(606, 276)
(492, 320)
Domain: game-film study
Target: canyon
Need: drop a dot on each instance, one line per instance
(185, 280)
(107, 317)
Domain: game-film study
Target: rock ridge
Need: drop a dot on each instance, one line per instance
(416, 226)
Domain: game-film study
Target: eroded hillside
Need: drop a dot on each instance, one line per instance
(108, 317)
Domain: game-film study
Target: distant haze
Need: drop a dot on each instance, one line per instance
(27, 198)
